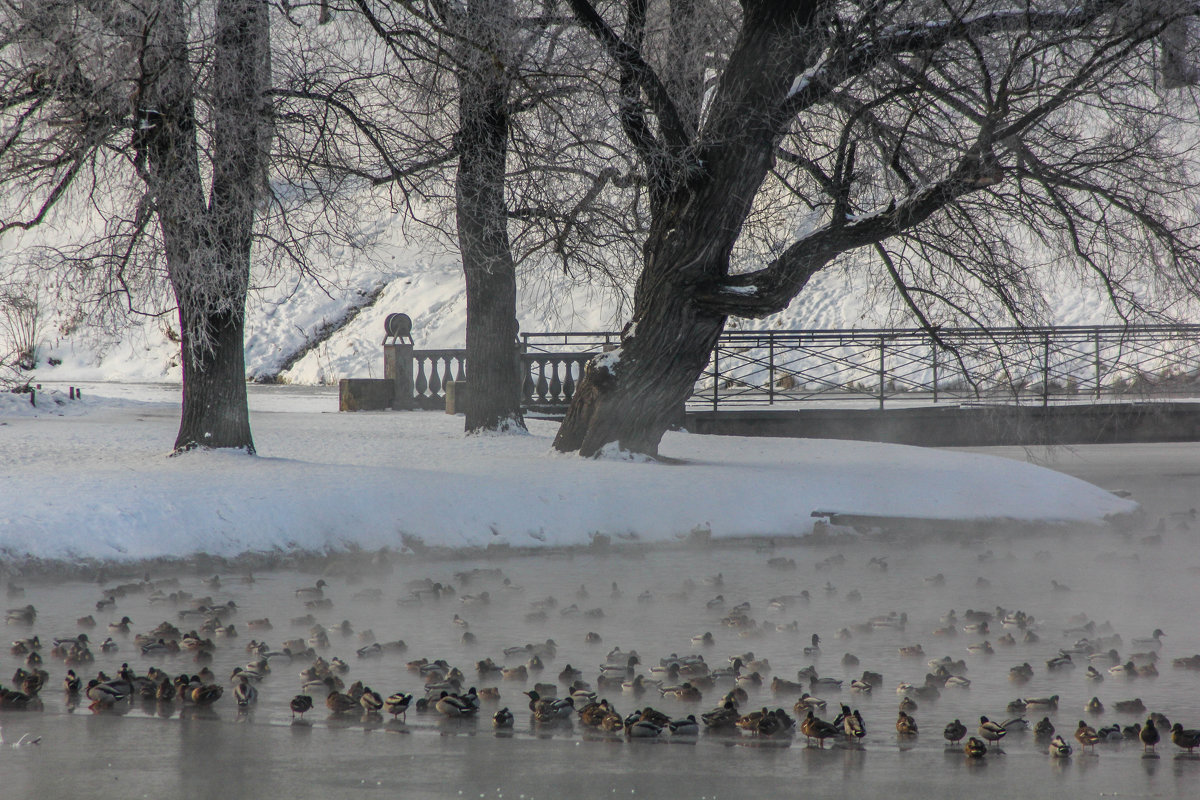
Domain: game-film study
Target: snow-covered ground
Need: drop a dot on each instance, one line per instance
(92, 479)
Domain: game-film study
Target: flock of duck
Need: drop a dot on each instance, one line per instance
(475, 689)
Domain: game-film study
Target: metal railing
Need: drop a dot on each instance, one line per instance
(1042, 365)
(1008, 365)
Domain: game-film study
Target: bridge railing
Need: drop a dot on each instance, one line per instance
(1042, 365)
(1009, 365)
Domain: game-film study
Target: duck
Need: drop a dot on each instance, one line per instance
(703, 640)
(815, 648)
(1093, 674)
(1086, 735)
(954, 731)
(991, 731)
(1060, 662)
(1094, 706)
(370, 700)
(1059, 748)
(315, 592)
(852, 723)
(815, 728)
(1020, 673)
(502, 718)
(1187, 739)
(397, 704)
(808, 702)
(1044, 728)
(244, 693)
(906, 725)
(1153, 641)
(1149, 735)
(975, 748)
(26, 615)
(1050, 702)
(454, 707)
(301, 704)
(1134, 706)
(687, 726)
(336, 701)
(1126, 670)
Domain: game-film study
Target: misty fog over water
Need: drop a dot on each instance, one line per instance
(1129, 583)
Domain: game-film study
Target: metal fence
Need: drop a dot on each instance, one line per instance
(1041, 365)
(1003, 365)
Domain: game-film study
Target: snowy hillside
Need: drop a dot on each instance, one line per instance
(287, 317)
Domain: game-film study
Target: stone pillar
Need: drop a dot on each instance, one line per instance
(398, 359)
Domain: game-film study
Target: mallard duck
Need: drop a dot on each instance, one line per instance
(244, 693)
(1148, 735)
(1086, 735)
(906, 725)
(703, 640)
(1154, 640)
(120, 627)
(336, 701)
(312, 592)
(954, 731)
(1044, 728)
(502, 718)
(1060, 662)
(685, 727)
(397, 704)
(974, 748)
(815, 728)
(907, 704)
(206, 694)
(1134, 706)
(72, 684)
(1094, 706)
(1126, 670)
(1093, 674)
(549, 709)
(1187, 739)
(301, 704)
(807, 701)
(815, 648)
(1020, 673)
(852, 723)
(1050, 702)
(1059, 748)
(991, 731)
(26, 615)
(641, 729)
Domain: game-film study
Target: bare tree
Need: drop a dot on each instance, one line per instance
(469, 115)
(157, 111)
(963, 145)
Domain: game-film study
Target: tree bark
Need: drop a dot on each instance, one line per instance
(493, 369)
(214, 388)
(207, 247)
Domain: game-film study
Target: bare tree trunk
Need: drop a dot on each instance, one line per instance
(208, 248)
(493, 374)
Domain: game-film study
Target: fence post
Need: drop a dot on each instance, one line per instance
(881, 373)
(1096, 342)
(716, 372)
(770, 367)
(933, 361)
(1045, 369)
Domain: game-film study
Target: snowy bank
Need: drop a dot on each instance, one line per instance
(92, 479)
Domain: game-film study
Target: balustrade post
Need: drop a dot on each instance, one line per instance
(1096, 343)
(398, 360)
